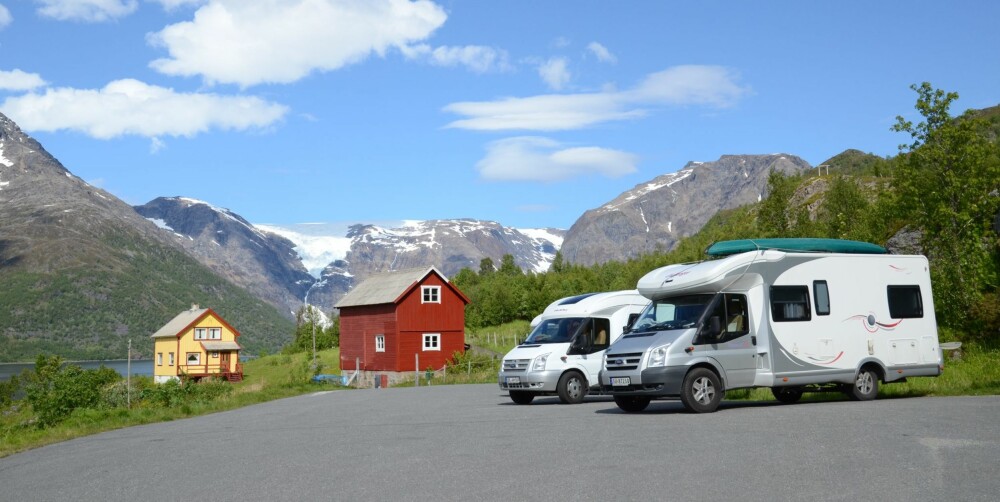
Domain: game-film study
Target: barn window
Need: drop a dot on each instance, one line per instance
(432, 341)
(430, 294)
(379, 343)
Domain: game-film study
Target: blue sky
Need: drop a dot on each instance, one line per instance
(525, 113)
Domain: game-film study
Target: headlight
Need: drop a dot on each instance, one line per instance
(658, 356)
(539, 363)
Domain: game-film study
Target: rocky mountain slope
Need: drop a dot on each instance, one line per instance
(82, 272)
(263, 263)
(655, 215)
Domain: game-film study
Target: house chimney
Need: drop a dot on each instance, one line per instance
(194, 306)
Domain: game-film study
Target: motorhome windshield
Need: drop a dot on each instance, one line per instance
(559, 330)
(676, 312)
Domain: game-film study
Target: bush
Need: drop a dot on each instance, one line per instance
(54, 390)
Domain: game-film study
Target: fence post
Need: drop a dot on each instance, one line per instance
(470, 368)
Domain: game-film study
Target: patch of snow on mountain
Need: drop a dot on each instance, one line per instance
(4, 160)
(665, 180)
(540, 234)
(316, 248)
(162, 224)
(223, 211)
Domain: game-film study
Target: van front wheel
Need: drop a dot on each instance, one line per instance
(572, 387)
(701, 391)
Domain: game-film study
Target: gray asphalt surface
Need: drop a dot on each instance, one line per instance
(470, 442)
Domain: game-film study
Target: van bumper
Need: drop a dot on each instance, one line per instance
(531, 381)
(652, 382)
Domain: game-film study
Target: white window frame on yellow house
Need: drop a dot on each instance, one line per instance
(215, 333)
(159, 358)
(201, 333)
(171, 359)
(196, 356)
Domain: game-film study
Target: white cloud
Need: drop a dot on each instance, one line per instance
(532, 158)
(602, 53)
(678, 86)
(555, 73)
(281, 41)
(17, 80)
(477, 58)
(174, 4)
(131, 107)
(93, 11)
(5, 17)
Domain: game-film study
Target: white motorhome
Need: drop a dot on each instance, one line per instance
(564, 352)
(794, 315)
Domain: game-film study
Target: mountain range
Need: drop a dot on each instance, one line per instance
(84, 271)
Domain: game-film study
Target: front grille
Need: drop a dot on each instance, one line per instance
(515, 364)
(623, 362)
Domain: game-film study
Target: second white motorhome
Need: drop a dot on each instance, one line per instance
(564, 352)
(794, 315)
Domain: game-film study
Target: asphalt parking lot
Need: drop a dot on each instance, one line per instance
(470, 442)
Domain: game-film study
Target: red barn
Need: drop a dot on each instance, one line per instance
(391, 317)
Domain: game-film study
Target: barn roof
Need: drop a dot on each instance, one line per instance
(388, 287)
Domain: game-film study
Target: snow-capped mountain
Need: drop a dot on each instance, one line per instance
(449, 245)
(657, 214)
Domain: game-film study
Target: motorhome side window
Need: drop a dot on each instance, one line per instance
(905, 302)
(821, 294)
(790, 303)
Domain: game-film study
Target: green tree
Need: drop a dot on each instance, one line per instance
(947, 184)
(508, 267)
(486, 267)
(774, 214)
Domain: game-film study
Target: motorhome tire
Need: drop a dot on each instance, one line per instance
(701, 391)
(787, 395)
(632, 404)
(572, 388)
(521, 397)
(865, 386)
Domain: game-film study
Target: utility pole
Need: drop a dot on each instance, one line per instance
(312, 318)
(128, 376)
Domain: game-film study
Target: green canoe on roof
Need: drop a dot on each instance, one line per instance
(725, 248)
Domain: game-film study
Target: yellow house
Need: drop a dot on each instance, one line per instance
(197, 343)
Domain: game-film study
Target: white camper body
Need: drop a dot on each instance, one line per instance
(564, 352)
(791, 321)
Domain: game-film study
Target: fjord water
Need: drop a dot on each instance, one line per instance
(139, 367)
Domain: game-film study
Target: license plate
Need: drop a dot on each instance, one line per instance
(513, 380)
(620, 381)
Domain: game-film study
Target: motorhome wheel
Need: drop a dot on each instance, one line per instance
(865, 386)
(787, 395)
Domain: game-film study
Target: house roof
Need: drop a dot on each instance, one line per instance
(389, 287)
(183, 321)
